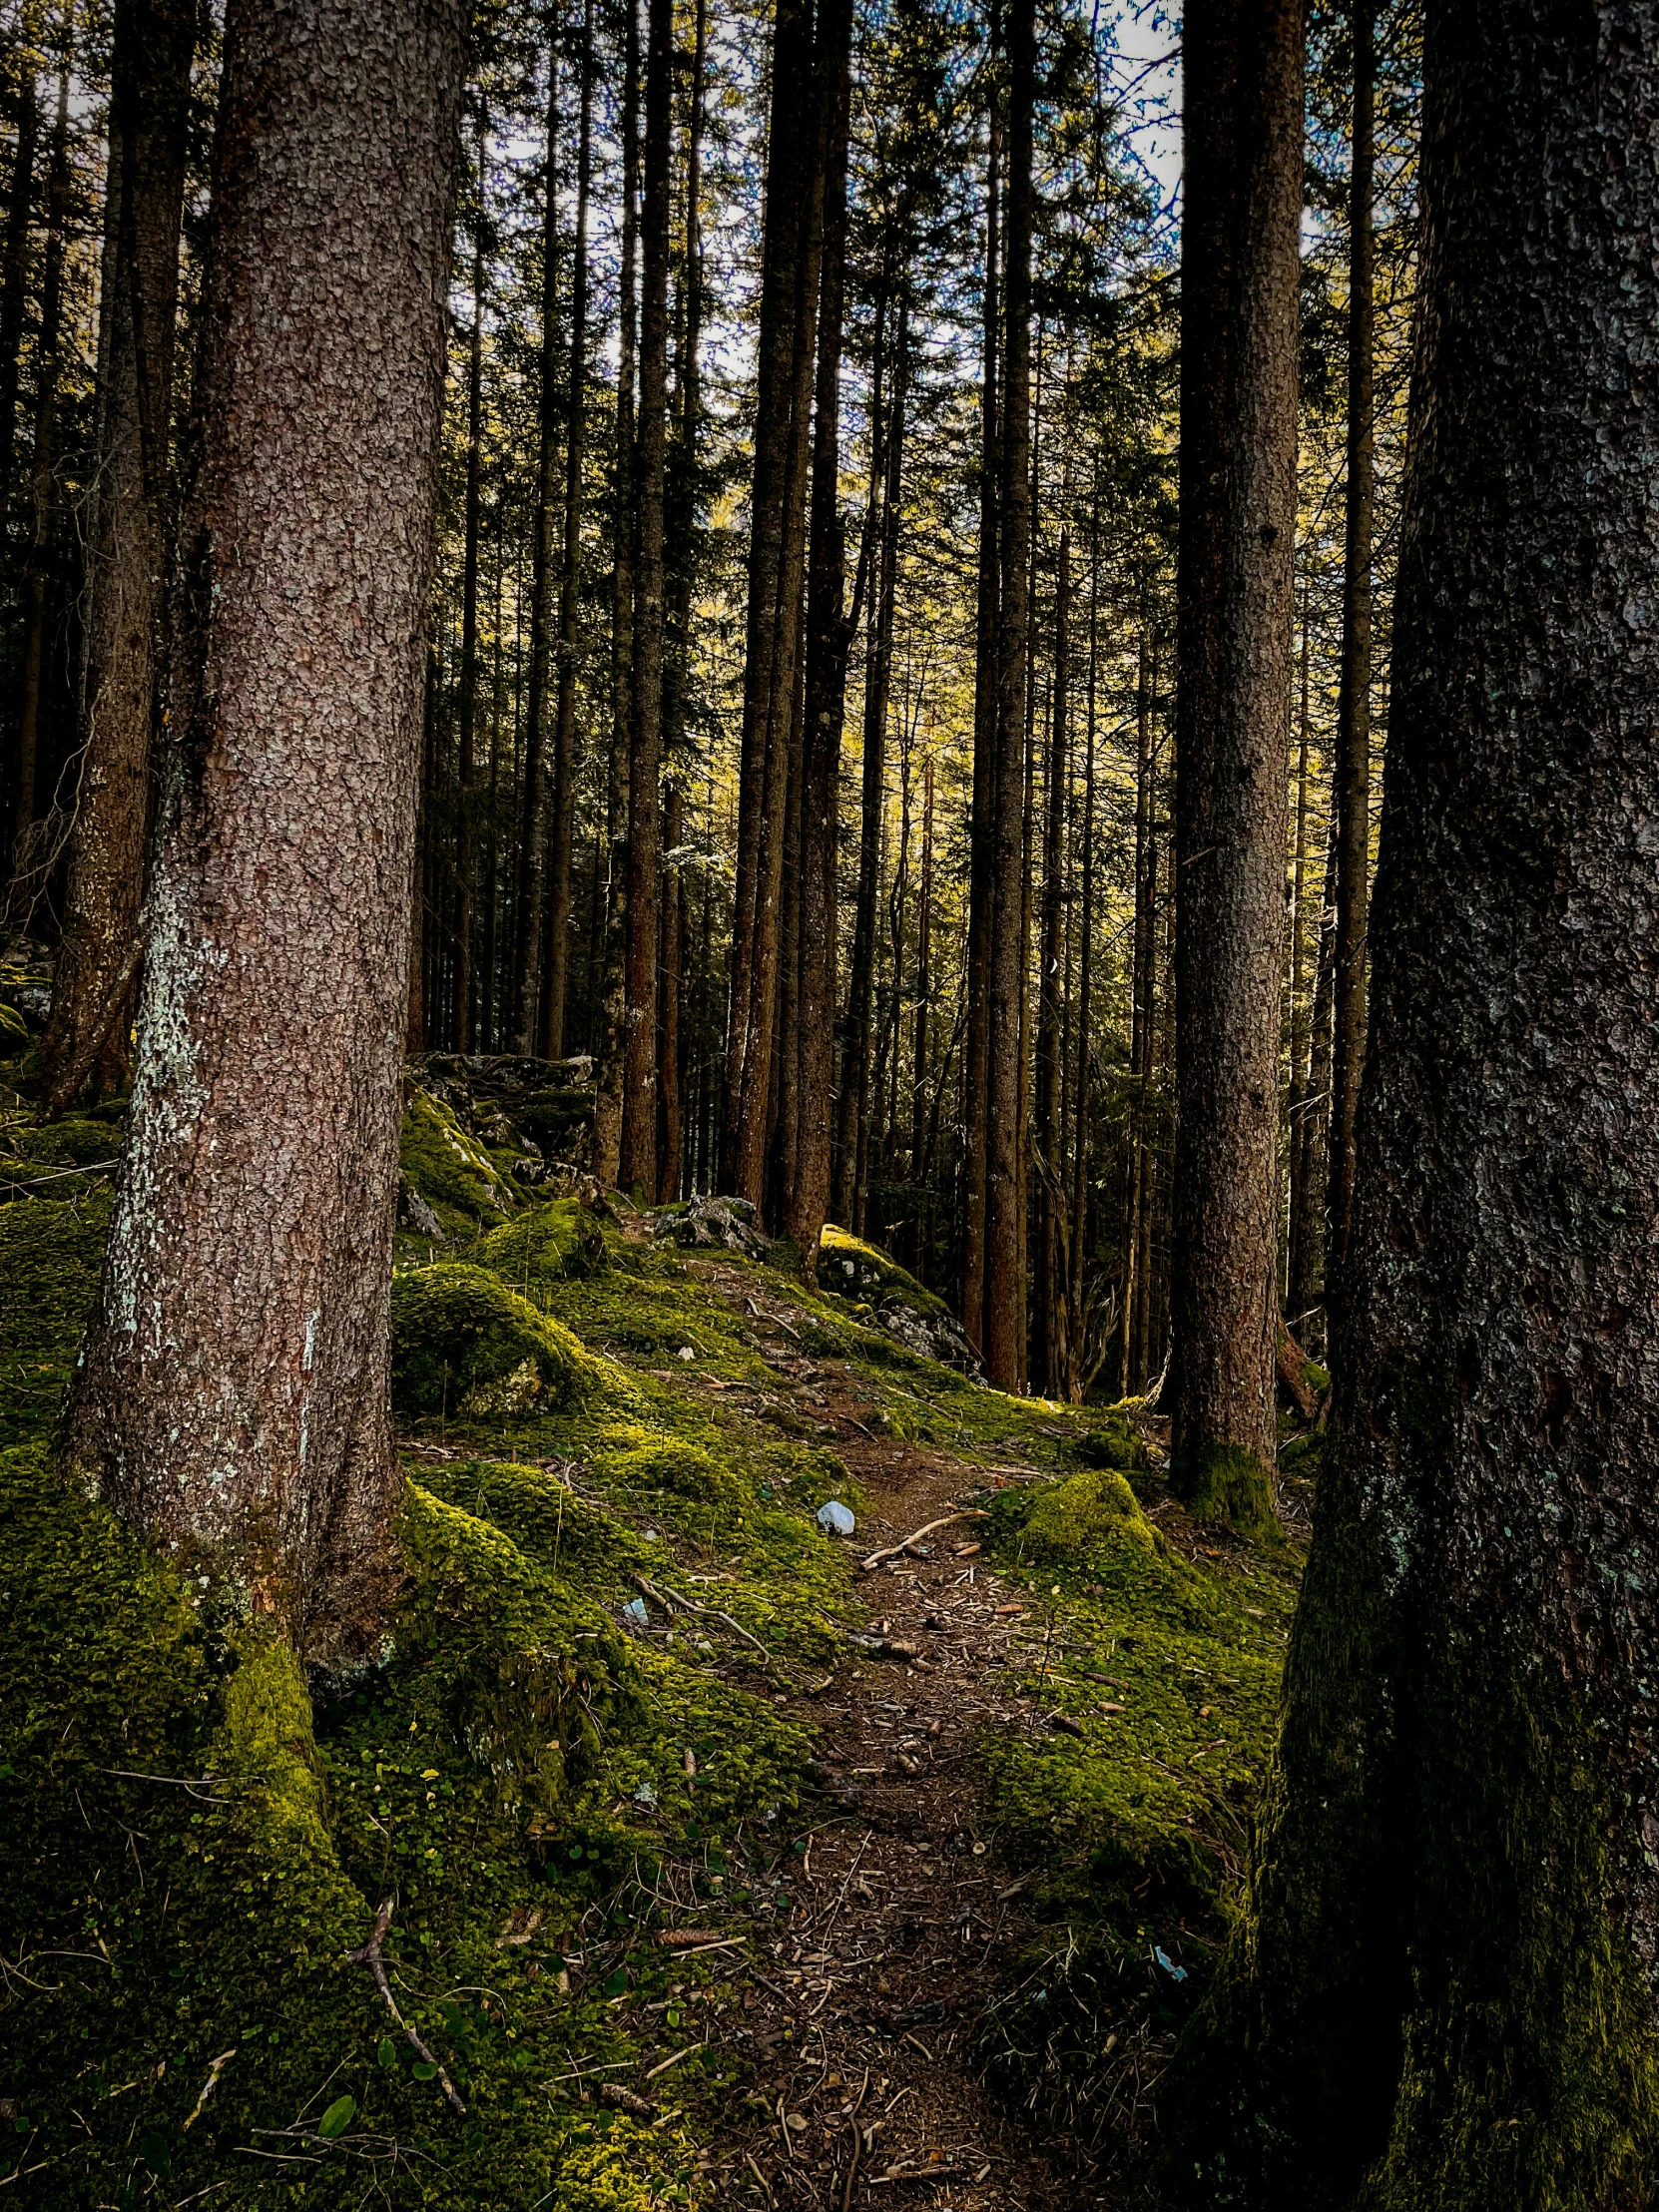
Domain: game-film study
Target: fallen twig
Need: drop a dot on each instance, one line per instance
(369, 1956)
(967, 1512)
(210, 2085)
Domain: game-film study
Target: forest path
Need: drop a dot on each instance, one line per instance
(860, 2015)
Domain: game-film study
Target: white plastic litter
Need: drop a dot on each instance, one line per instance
(835, 1519)
(635, 1615)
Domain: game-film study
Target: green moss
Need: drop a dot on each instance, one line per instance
(453, 1173)
(666, 1463)
(555, 1243)
(463, 1342)
(50, 1254)
(1228, 1484)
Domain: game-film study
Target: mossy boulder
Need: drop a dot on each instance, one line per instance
(666, 1463)
(1076, 1520)
(562, 1242)
(450, 1169)
(463, 1342)
(866, 1276)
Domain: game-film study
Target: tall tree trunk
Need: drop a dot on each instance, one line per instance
(1137, 1194)
(1353, 763)
(1304, 1292)
(48, 373)
(1047, 1271)
(1448, 1997)
(231, 1396)
(1244, 79)
(14, 264)
(561, 822)
(1296, 1118)
(529, 877)
(466, 721)
(981, 885)
(639, 1094)
(919, 1051)
(853, 1137)
(788, 180)
(682, 487)
(610, 1023)
(671, 1135)
(1004, 1322)
(154, 46)
(1077, 1378)
(828, 642)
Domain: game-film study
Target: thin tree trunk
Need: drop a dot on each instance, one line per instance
(1304, 1297)
(487, 982)
(467, 717)
(610, 1023)
(687, 411)
(232, 1398)
(639, 1096)
(1004, 1309)
(1085, 1003)
(1353, 761)
(828, 642)
(1047, 1270)
(14, 269)
(672, 963)
(1236, 583)
(530, 881)
(1301, 1013)
(981, 882)
(154, 45)
(924, 992)
(48, 370)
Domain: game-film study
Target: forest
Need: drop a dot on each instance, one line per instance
(828, 1104)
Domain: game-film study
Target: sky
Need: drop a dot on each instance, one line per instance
(1147, 71)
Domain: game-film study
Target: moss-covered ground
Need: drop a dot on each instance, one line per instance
(591, 1720)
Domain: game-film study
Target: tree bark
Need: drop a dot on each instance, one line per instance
(1244, 79)
(1077, 1378)
(14, 269)
(232, 1400)
(830, 632)
(672, 964)
(530, 883)
(920, 1033)
(1446, 1995)
(466, 719)
(1296, 1118)
(639, 1094)
(154, 46)
(1305, 1292)
(1047, 1266)
(1004, 1309)
(1353, 763)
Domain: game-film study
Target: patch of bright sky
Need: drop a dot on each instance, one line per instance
(1145, 66)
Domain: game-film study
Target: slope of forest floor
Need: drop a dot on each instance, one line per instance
(723, 1868)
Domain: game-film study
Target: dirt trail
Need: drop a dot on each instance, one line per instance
(864, 1997)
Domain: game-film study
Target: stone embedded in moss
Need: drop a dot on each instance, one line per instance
(451, 1170)
(463, 1342)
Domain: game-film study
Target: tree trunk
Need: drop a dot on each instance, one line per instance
(1004, 1310)
(1353, 763)
(1296, 1117)
(14, 267)
(828, 642)
(467, 714)
(672, 963)
(1077, 1378)
(48, 371)
(919, 1051)
(1243, 78)
(561, 822)
(1448, 1993)
(232, 1400)
(639, 1095)
(154, 45)
(1047, 1270)
(610, 1024)
(1137, 1194)
(530, 880)
(981, 885)
(1305, 1294)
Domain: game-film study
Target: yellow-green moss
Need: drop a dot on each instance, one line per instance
(50, 1254)
(1227, 1484)
(453, 1173)
(463, 1342)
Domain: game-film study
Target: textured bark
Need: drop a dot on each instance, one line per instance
(155, 41)
(1048, 1243)
(466, 715)
(14, 267)
(1353, 763)
(1296, 1118)
(829, 632)
(48, 373)
(1137, 1196)
(671, 1130)
(788, 165)
(561, 821)
(923, 1008)
(976, 1046)
(1076, 1377)
(1004, 1309)
(233, 1396)
(1447, 1994)
(530, 878)
(1304, 1292)
(639, 1093)
(1238, 525)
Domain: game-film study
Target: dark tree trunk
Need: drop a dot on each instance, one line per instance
(561, 821)
(828, 642)
(610, 1013)
(530, 880)
(466, 719)
(639, 1093)
(1305, 1292)
(919, 1038)
(1244, 84)
(1448, 1995)
(14, 269)
(231, 1401)
(1137, 1194)
(48, 373)
(765, 732)
(682, 486)
(671, 1132)
(976, 1050)
(1077, 1379)
(1004, 1309)
(1296, 1117)
(154, 43)
(1047, 1263)
(1353, 765)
